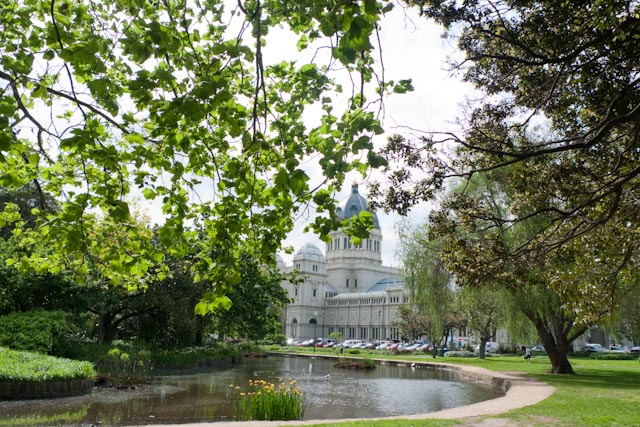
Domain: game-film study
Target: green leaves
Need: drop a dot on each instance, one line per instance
(113, 101)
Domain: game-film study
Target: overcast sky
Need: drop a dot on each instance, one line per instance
(412, 48)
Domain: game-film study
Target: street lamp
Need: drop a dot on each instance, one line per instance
(379, 325)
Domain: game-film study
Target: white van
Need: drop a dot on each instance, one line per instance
(351, 343)
(490, 347)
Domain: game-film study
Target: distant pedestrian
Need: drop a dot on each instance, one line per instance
(527, 354)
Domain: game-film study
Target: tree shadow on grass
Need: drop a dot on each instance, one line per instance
(600, 377)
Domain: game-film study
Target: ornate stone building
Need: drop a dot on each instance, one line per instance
(348, 290)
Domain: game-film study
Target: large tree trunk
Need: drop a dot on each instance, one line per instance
(556, 343)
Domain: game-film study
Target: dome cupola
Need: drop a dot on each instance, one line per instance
(353, 205)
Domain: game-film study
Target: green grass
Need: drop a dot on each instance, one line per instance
(21, 366)
(602, 393)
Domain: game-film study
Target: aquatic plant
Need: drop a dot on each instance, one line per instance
(266, 401)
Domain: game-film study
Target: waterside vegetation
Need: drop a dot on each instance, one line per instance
(268, 401)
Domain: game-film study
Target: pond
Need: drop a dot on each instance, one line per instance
(204, 395)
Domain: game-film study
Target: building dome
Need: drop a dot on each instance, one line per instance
(353, 205)
(279, 262)
(309, 251)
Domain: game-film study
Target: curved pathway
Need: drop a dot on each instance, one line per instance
(521, 392)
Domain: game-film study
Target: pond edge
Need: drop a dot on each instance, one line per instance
(519, 391)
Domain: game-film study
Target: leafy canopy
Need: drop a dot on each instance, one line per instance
(179, 102)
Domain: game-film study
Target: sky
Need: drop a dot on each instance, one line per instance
(412, 47)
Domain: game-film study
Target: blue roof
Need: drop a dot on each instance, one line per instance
(385, 284)
(354, 204)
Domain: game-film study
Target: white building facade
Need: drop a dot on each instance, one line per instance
(348, 290)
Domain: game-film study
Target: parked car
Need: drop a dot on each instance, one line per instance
(635, 350)
(383, 344)
(412, 347)
(351, 343)
(396, 346)
(538, 348)
(489, 347)
(592, 348)
(615, 348)
(324, 342)
(424, 348)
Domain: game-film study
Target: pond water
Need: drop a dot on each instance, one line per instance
(204, 395)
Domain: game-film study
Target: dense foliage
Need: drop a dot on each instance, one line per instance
(189, 105)
(556, 120)
(19, 366)
(37, 330)
(430, 310)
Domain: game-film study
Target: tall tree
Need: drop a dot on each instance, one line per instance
(187, 103)
(561, 292)
(482, 310)
(559, 106)
(429, 284)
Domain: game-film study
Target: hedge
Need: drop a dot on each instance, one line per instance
(461, 353)
(611, 356)
(36, 330)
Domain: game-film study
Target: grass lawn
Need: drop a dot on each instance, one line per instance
(602, 393)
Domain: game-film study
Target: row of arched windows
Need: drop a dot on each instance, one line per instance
(371, 245)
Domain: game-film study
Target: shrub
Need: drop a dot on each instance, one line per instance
(353, 351)
(265, 401)
(611, 356)
(20, 366)
(369, 363)
(36, 330)
(460, 353)
(276, 339)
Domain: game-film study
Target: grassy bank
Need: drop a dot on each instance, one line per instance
(602, 393)
(24, 366)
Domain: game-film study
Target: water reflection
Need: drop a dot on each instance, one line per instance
(204, 395)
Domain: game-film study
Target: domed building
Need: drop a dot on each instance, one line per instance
(349, 290)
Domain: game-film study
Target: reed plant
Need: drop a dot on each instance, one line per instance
(268, 401)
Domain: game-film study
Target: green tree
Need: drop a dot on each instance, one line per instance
(560, 292)
(256, 303)
(558, 113)
(164, 314)
(482, 310)
(26, 198)
(559, 104)
(429, 284)
(23, 291)
(103, 100)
